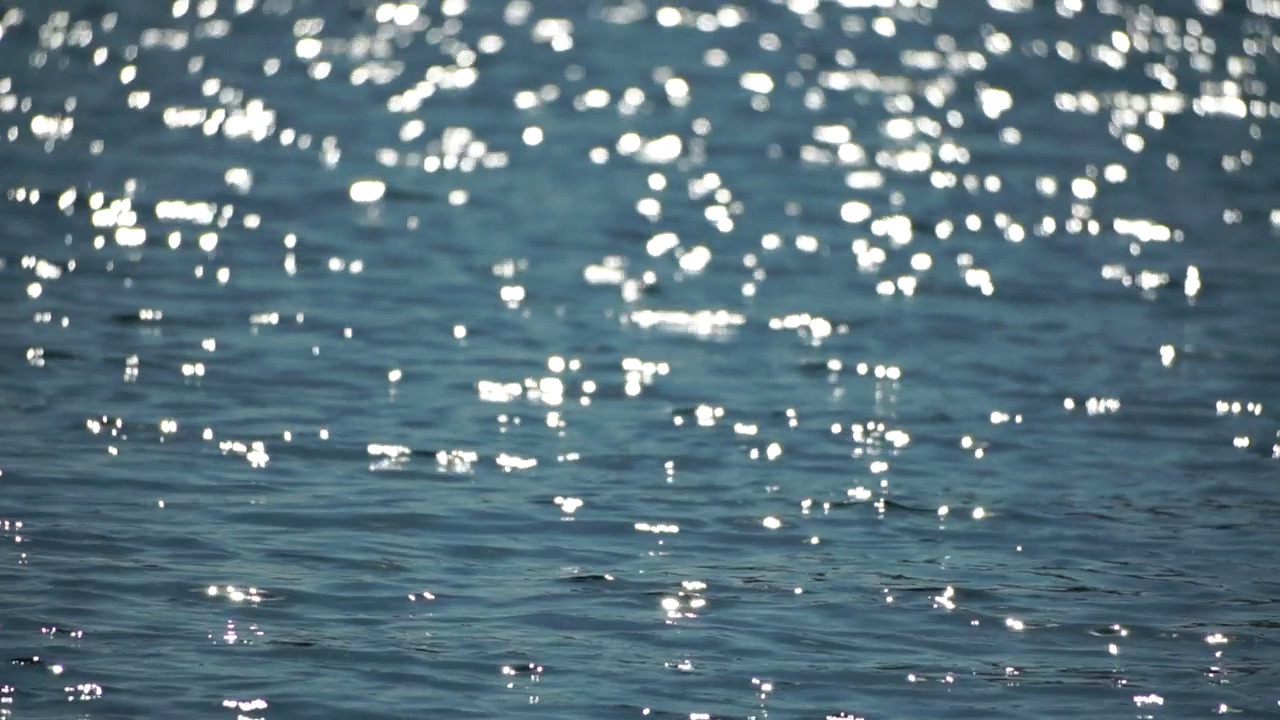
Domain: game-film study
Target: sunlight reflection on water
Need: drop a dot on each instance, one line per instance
(799, 358)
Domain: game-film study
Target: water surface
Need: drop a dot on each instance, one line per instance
(620, 359)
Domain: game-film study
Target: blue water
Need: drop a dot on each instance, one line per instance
(615, 359)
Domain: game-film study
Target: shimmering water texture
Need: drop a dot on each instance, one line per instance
(620, 359)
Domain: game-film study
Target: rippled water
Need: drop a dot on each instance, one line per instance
(865, 358)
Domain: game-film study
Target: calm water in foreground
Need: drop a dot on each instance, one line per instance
(614, 359)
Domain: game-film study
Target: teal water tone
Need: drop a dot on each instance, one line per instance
(630, 359)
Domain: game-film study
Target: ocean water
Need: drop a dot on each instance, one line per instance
(622, 359)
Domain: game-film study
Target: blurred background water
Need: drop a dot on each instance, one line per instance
(623, 359)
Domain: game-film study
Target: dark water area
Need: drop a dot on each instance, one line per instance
(620, 359)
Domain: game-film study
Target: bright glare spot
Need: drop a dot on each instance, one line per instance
(1083, 188)
(695, 261)
(855, 212)
(1192, 284)
(1115, 173)
(664, 149)
(405, 14)
(512, 295)
(368, 191)
(994, 101)
(757, 82)
(569, 505)
(307, 48)
(661, 243)
(650, 208)
(772, 523)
